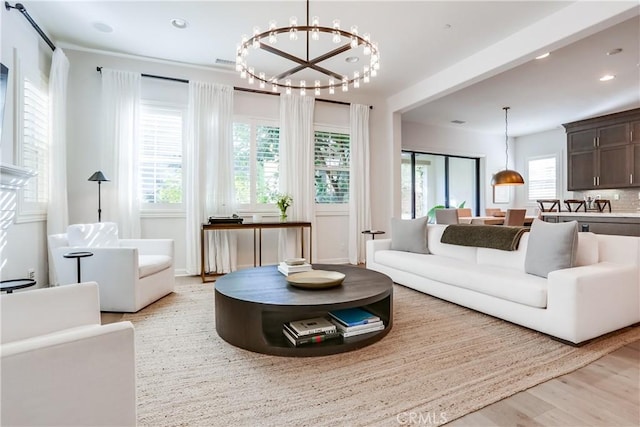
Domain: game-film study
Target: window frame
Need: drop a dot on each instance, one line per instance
(253, 206)
(164, 210)
(558, 176)
(27, 211)
(331, 208)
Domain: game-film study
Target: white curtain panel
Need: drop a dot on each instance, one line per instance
(296, 167)
(121, 110)
(359, 202)
(210, 188)
(57, 210)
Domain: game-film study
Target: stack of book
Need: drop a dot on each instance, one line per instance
(355, 321)
(287, 269)
(310, 331)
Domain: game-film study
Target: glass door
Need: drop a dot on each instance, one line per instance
(434, 180)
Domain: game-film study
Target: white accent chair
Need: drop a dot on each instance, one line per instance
(60, 366)
(131, 273)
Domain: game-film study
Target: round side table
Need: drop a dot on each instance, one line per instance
(373, 233)
(78, 256)
(11, 285)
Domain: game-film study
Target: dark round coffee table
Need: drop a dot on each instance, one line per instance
(251, 306)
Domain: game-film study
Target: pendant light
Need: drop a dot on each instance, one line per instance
(507, 176)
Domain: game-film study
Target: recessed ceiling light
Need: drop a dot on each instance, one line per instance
(544, 55)
(179, 23)
(102, 27)
(607, 77)
(458, 122)
(352, 59)
(614, 51)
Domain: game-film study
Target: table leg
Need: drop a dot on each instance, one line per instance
(254, 247)
(310, 245)
(79, 275)
(260, 244)
(202, 254)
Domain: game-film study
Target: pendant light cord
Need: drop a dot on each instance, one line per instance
(506, 138)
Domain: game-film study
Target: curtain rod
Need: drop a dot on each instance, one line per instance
(24, 12)
(240, 89)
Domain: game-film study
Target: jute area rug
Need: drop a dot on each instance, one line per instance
(439, 361)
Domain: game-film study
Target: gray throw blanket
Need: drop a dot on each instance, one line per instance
(483, 236)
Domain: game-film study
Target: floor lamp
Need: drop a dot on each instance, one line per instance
(98, 176)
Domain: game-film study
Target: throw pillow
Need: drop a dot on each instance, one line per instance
(551, 247)
(409, 235)
(100, 235)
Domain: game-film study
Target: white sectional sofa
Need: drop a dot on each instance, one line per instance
(599, 295)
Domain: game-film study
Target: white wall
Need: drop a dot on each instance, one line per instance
(25, 241)
(85, 145)
(549, 143)
(488, 148)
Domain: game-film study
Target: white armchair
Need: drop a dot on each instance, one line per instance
(60, 366)
(131, 273)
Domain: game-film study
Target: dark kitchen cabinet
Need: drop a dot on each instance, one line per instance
(604, 152)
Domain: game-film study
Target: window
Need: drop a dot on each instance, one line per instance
(331, 159)
(35, 144)
(542, 180)
(256, 147)
(160, 161)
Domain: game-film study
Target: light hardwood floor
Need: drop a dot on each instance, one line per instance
(605, 393)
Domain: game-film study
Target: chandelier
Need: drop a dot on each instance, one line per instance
(306, 72)
(507, 176)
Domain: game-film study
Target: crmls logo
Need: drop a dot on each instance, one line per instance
(422, 418)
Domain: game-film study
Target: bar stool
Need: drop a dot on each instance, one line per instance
(555, 204)
(602, 203)
(570, 203)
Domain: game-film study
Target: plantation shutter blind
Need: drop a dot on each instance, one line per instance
(35, 143)
(332, 157)
(542, 178)
(161, 154)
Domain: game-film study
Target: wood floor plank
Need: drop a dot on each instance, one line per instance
(605, 393)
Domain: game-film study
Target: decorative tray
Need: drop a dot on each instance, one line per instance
(315, 279)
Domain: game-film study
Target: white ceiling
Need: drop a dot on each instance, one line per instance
(416, 38)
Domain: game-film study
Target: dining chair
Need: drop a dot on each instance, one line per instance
(493, 212)
(515, 217)
(574, 205)
(554, 205)
(447, 216)
(465, 212)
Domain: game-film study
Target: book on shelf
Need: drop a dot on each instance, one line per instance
(354, 316)
(286, 269)
(373, 328)
(308, 339)
(312, 326)
(366, 326)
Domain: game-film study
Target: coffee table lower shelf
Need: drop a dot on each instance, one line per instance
(252, 307)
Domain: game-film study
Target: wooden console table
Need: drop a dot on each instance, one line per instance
(257, 228)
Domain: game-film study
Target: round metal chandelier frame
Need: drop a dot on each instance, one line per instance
(282, 80)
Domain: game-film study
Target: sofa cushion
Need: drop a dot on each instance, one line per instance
(99, 235)
(498, 281)
(436, 247)
(151, 264)
(500, 258)
(551, 247)
(409, 235)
